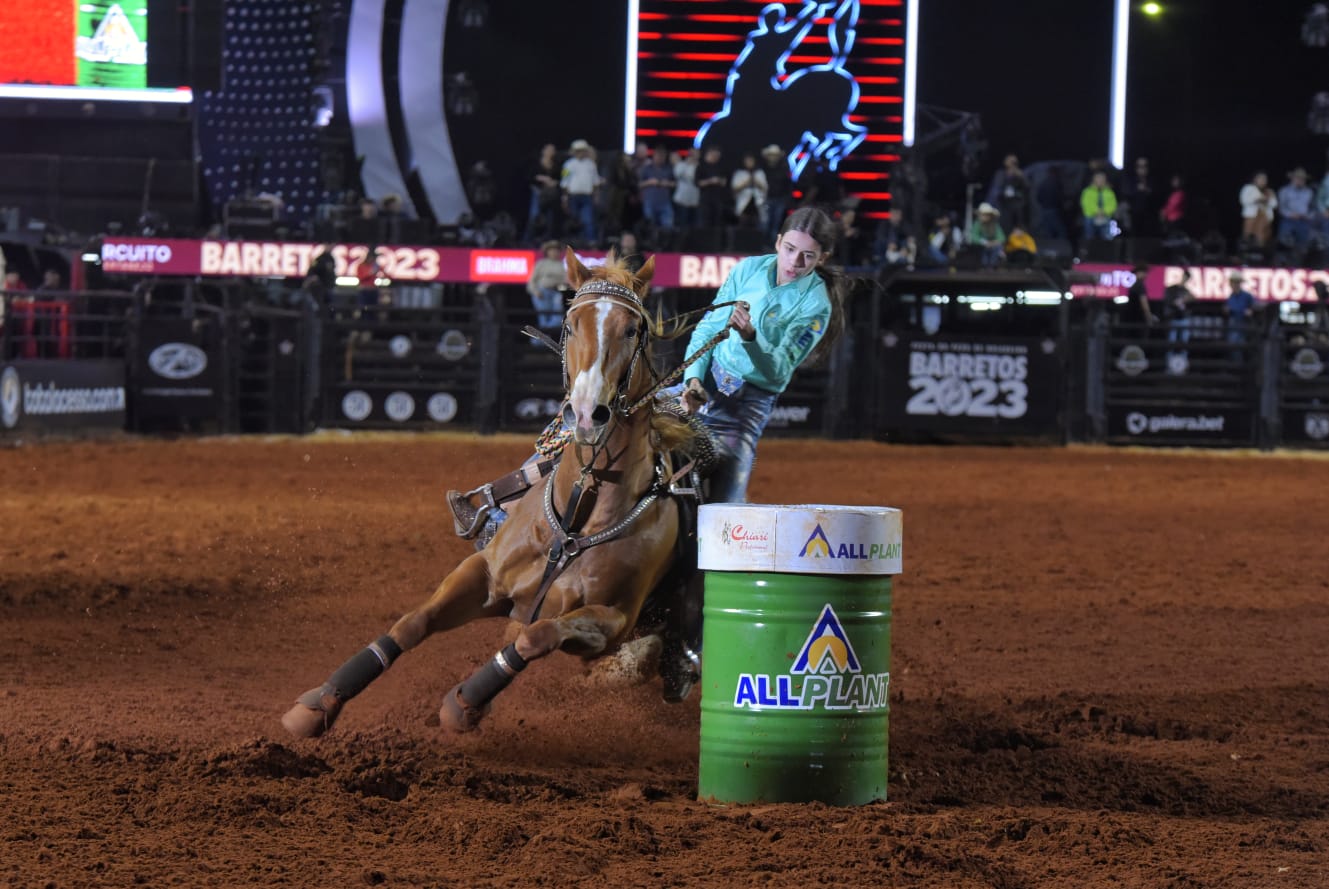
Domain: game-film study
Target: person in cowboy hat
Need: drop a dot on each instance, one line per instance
(1294, 210)
(986, 232)
(580, 183)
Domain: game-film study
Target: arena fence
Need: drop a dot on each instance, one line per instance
(236, 359)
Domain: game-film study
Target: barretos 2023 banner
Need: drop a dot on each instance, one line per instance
(1209, 282)
(283, 259)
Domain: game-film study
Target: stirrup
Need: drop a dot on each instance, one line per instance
(468, 519)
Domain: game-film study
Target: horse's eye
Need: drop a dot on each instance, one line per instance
(632, 332)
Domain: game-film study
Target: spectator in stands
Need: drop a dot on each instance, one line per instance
(894, 244)
(390, 216)
(1141, 200)
(1021, 249)
(748, 184)
(853, 251)
(367, 227)
(655, 183)
(1098, 204)
(1176, 315)
(580, 183)
(542, 216)
(622, 202)
(779, 189)
(1173, 214)
(713, 183)
(686, 194)
(1320, 210)
(943, 240)
(548, 278)
(1294, 211)
(1050, 198)
(629, 250)
(821, 185)
(1009, 193)
(1320, 326)
(14, 281)
(1258, 203)
(1137, 310)
(51, 282)
(986, 232)
(1238, 313)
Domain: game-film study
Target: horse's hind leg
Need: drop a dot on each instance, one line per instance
(461, 597)
(586, 631)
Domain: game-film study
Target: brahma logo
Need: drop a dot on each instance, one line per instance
(508, 266)
(817, 546)
(832, 676)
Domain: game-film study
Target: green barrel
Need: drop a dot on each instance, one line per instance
(797, 649)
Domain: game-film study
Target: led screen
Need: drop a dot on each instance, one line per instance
(79, 49)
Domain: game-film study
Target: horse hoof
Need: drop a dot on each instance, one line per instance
(458, 716)
(313, 714)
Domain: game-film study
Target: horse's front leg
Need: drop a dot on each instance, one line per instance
(463, 596)
(586, 631)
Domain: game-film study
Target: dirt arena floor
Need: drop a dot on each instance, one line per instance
(1110, 668)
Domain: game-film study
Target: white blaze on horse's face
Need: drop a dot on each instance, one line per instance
(594, 387)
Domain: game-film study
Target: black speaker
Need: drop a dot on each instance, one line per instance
(207, 37)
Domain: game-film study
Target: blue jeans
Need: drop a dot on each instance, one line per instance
(582, 208)
(658, 208)
(548, 305)
(736, 422)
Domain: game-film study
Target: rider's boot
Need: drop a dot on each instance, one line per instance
(680, 661)
(474, 510)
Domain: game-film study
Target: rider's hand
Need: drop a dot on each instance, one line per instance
(741, 321)
(694, 396)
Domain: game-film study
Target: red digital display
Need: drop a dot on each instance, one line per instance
(822, 80)
(38, 36)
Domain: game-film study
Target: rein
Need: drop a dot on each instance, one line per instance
(556, 435)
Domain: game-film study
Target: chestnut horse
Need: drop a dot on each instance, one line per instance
(580, 553)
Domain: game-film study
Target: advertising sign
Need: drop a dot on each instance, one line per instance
(1178, 425)
(410, 264)
(179, 370)
(963, 384)
(62, 395)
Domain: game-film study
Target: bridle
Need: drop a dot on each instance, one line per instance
(593, 292)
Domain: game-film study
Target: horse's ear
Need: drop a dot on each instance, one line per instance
(577, 273)
(646, 273)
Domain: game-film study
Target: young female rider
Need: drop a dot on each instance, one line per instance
(790, 306)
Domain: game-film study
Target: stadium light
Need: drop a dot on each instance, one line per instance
(1117, 120)
(630, 88)
(1152, 9)
(910, 69)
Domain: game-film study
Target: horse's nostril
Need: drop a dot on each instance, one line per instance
(569, 416)
(600, 415)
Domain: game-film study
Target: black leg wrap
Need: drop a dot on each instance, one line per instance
(363, 668)
(497, 673)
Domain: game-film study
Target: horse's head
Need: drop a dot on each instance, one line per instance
(604, 343)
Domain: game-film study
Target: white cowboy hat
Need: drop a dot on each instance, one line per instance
(986, 208)
(580, 145)
(772, 149)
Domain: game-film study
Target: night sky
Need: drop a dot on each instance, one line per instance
(1212, 95)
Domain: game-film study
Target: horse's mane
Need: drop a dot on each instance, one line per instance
(669, 432)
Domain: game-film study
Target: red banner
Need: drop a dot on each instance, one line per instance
(1209, 282)
(286, 259)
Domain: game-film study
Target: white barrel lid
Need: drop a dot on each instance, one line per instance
(801, 539)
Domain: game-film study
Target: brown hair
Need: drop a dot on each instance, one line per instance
(819, 226)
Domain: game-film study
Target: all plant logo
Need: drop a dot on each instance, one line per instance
(826, 674)
(819, 546)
